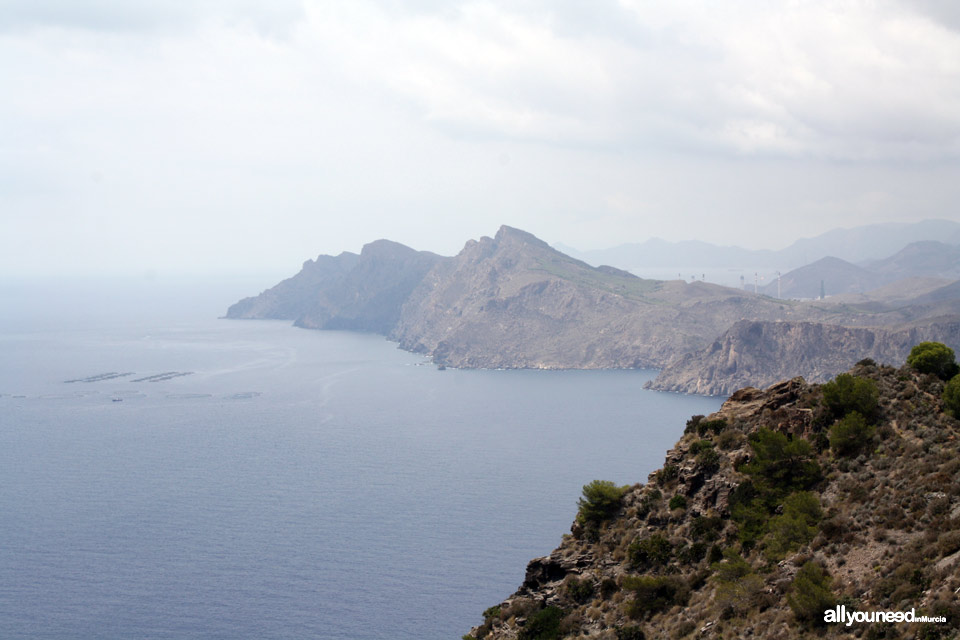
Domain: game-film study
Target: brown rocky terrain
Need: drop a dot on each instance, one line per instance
(759, 353)
(512, 301)
(764, 515)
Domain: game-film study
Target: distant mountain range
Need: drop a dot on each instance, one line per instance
(512, 301)
(925, 259)
(860, 244)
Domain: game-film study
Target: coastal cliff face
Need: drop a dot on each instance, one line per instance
(753, 353)
(764, 515)
(357, 292)
(512, 301)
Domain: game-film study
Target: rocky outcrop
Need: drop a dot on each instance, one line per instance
(758, 522)
(753, 353)
(514, 302)
(357, 292)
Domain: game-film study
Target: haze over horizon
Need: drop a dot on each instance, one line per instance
(232, 136)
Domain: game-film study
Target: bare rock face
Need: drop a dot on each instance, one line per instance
(758, 353)
(514, 302)
(359, 293)
(291, 298)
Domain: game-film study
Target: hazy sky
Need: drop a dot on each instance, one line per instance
(241, 135)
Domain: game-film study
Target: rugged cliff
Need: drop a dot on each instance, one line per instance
(358, 292)
(512, 301)
(785, 503)
(760, 353)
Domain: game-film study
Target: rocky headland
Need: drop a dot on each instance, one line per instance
(784, 504)
(758, 353)
(512, 301)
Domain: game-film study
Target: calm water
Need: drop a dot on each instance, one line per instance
(296, 484)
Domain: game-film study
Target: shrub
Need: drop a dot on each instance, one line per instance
(949, 542)
(630, 633)
(851, 435)
(601, 500)
(693, 553)
(782, 464)
(847, 393)
(579, 590)
(692, 424)
(934, 357)
(715, 554)
(795, 527)
(608, 587)
(678, 502)
(740, 596)
(711, 426)
(653, 594)
(700, 445)
(667, 473)
(654, 551)
(811, 594)
(731, 568)
(706, 528)
(951, 396)
(542, 625)
(708, 460)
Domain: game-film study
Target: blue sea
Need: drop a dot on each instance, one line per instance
(168, 474)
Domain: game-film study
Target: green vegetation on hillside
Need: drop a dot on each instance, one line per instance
(766, 514)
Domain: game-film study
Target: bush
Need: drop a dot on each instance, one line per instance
(700, 445)
(847, 393)
(851, 435)
(668, 473)
(692, 424)
(601, 500)
(542, 625)
(678, 502)
(711, 426)
(731, 568)
(934, 357)
(811, 594)
(795, 527)
(951, 397)
(782, 464)
(708, 460)
(579, 590)
(738, 587)
(630, 633)
(653, 594)
(706, 528)
(651, 552)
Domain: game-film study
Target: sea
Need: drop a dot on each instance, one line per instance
(167, 474)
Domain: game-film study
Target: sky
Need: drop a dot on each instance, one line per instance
(241, 136)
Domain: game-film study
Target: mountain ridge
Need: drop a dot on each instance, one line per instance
(764, 516)
(512, 301)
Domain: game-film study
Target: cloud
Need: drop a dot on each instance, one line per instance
(145, 15)
(869, 81)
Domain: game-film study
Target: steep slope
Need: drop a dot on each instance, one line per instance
(360, 293)
(514, 302)
(292, 297)
(760, 353)
(765, 515)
